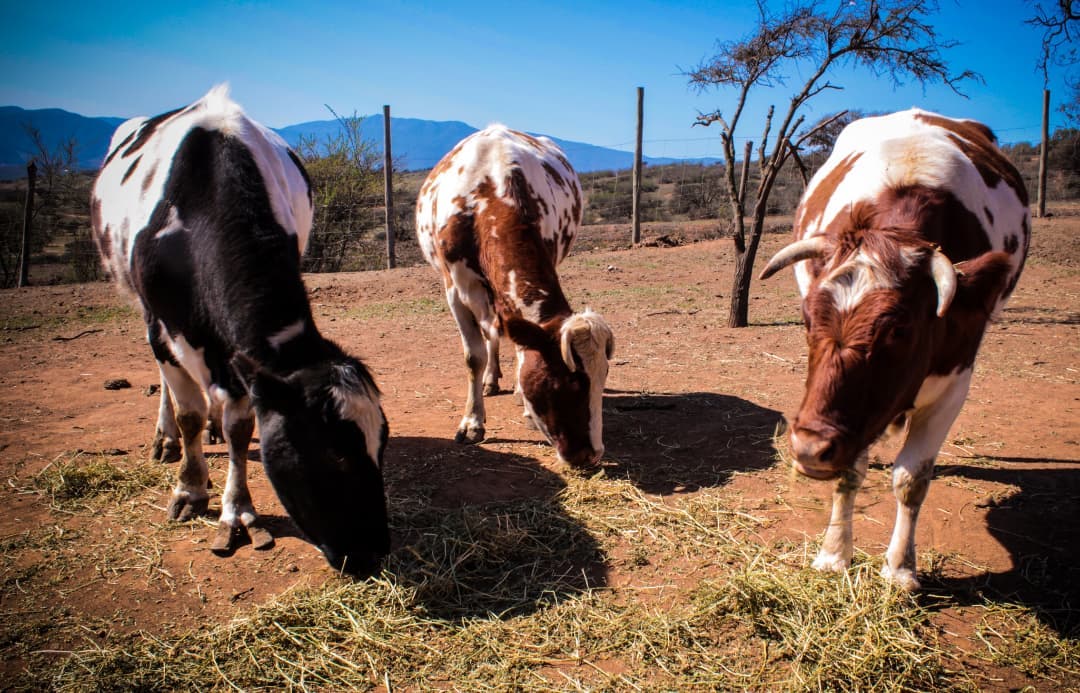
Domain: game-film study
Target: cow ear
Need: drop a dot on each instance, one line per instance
(246, 368)
(269, 389)
(981, 281)
(527, 333)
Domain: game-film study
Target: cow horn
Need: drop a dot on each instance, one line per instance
(794, 252)
(945, 278)
(568, 350)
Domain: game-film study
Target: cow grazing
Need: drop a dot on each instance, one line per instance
(495, 217)
(203, 214)
(909, 240)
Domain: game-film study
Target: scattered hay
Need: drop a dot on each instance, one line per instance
(70, 481)
(837, 632)
(513, 596)
(1015, 637)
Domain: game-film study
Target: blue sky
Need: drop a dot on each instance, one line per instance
(567, 69)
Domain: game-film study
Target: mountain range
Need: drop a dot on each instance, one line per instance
(416, 144)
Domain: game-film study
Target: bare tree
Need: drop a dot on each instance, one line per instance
(1060, 24)
(344, 172)
(891, 38)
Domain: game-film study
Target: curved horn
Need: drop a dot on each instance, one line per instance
(945, 278)
(566, 345)
(794, 252)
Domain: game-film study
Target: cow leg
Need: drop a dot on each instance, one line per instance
(836, 548)
(471, 428)
(191, 495)
(912, 471)
(166, 444)
(519, 398)
(237, 510)
(492, 373)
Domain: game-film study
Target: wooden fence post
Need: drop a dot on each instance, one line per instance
(28, 216)
(635, 233)
(1043, 153)
(388, 185)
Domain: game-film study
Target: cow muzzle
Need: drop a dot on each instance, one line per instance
(585, 457)
(817, 453)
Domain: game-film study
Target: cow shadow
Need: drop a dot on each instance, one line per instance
(682, 442)
(1039, 525)
(477, 531)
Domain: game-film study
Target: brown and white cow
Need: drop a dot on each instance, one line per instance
(908, 241)
(495, 217)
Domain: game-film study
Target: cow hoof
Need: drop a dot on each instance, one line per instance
(164, 449)
(491, 389)
(831, 562)
(183, 507)
(212, 435)
(469, 436)
(226, 540)
(904, 578)
(261, 538)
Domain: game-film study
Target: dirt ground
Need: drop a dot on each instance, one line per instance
(691, 406)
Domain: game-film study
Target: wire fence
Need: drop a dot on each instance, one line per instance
(681, 183)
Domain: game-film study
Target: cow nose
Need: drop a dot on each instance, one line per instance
(585, 457)
(814, 452)
(358, 564)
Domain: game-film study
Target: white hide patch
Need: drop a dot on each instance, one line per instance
(132, 183)
(192, 359)
(286, 334)
(529, 311)
(592, 338)
(361, 406)
(172, 225)
(903, 149)
(493, 154)
(853, 280)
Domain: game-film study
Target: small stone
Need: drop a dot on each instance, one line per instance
(117, 384)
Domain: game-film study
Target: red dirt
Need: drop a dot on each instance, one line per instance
(691, 406)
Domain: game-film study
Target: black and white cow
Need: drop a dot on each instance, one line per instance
(203, 214)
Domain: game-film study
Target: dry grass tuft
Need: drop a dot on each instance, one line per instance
(74, 479)
(514, 595)
(836, 632)
(1015, 637)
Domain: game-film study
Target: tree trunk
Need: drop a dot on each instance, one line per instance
(745, 254)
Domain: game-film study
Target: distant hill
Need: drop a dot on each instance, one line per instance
(417, 144)
(56, 127)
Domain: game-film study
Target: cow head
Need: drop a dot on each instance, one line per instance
(562, 370)
(322, 434)
(873, 318)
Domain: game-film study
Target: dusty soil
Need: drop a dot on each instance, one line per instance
(691, 407)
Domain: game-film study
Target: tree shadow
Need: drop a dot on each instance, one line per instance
(679, 443)
(1039, 526)
(479, 532)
